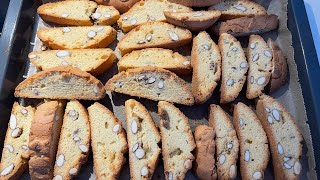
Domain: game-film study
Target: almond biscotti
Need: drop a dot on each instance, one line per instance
(194, 21)
(284, 138)
(231, 9)
(143, 140)
(227, 144)
(74, 143)
(254, 151)
(177, 141)
(260, 62)
(121, 6)
(206, 63)
(61, 82)
(195, 3)
(152, 83)
(156, 57)
(43, 140)
(234, 67)
(204, 165)
(154, 34)
(108, 141)
(15, 153)
(105, 15)
(81, 37)
(93, 61)
(146, 11)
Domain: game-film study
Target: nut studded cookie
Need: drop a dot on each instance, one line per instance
(284, 137)
(80, 37)
(152, 83)
(194, 21)
(61, 82)
(15, 154)
(260, 62)
(154, 34)
(156, 57)
(177, 141)
(227, 144)
(143, 140)
(94, 61)
(105, 15)
(108, 141)
(234, 67)
(204, 165)
(231, 9)
(195, 3)
(148, 11)
(43, 140)
(254, 151)
(122, 6)
(206, 63)
(74, 143)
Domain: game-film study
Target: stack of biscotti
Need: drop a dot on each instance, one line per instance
(15, 153)
(65, 13)
(243, 18)
(43, 140)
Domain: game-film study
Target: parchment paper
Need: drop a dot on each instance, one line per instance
(289, 95)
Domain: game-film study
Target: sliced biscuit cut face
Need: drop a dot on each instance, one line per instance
(206, 63)
(260, 62)
(105, 15)
(62, 82)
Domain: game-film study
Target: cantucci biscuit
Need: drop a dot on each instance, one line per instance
(156, 57)
(15, 153)
(61, 82)
(260, 62)
(194, 21)
(146, 11)
(143, 140)
(195, 3)
(284, 138)
(44, 138)
(231, 9)
(234, 67)
(74, 143)
(105, 15)
(154, 34)
(227, 144)
(177, 141)
(152, 83)
(206, 63)
(81, 37)
(108, 141)
(93, 61)
(254, 151)
(122, 6)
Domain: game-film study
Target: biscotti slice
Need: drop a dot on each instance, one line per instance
(194, 21)
(108, 141)
(61, 82)
(143, 140)
(260, 62)
(121, 6)
(231, 9)
(152, 83)
(154, 34)
(206, 63)
(247, 25)
(284, 138)
(204, 165)
(15, 154)
(254, 151)
(227, 144)
(279, 74)
(74, 143)
(81, 37)
(157, 57)
(43, 140)
(195, 3)
(68, 12)
(105, 15)
(234, 67)
(177, 141)
(93, 61)
(146, 11)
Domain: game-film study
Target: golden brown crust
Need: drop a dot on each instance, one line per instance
(196, 3)
(121, 5)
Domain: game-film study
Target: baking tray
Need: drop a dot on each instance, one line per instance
(20, 24)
